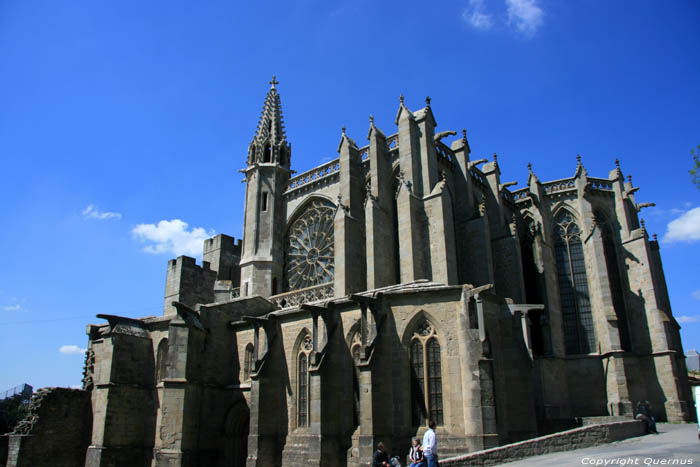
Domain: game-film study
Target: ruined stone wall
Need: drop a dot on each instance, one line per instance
(55, 432)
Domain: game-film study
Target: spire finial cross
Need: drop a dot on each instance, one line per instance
(274, 82)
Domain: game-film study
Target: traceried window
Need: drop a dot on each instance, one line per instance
(309, 247)
(248, 362)
(303, 359)
(579, 336)
(426, 376)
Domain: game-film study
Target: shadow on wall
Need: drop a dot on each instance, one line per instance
(644, 383)
(273, 383)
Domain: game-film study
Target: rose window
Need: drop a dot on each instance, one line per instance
(309, 247)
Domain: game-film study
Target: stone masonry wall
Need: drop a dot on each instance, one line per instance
(41, 439)
(577, 438)
(4, 441)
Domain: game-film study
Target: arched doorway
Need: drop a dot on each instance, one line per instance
(236, 426)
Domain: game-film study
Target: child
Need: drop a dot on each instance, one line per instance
(416, 454)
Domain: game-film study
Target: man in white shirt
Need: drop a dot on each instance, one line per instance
(430, 445)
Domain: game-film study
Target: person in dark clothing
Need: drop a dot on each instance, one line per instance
(644, 414)
(380, 458)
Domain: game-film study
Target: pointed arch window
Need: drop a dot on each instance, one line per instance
(162, 360)
(426, 376)
(579, 336)
(303, 359)
(248, 362)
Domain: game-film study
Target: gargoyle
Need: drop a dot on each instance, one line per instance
(444, 134)
(641, 206)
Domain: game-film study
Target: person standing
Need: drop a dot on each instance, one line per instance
(430, 445)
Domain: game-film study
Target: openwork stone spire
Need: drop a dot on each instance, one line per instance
(270, 142)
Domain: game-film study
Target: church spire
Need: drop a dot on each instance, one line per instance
(270, 142)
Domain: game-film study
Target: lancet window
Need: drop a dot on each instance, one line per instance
(426, 375)
(248, 362)
(162, 360)
(303, 359)
(579, 336)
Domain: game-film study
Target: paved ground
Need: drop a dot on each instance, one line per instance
(674, 443)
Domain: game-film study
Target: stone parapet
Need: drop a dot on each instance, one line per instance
(577, 438)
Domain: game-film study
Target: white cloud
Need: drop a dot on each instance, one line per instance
(475, 14)
(77, 386)
(15, 307)
(687, 319)
(695, 294)
(685, 228)
(524, 15)
(172, 237)
(91, 212)
(71, 350)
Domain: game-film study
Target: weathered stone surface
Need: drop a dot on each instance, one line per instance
(56, 431)
(578, 438)
(428, 288)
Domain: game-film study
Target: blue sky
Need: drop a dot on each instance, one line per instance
(124, 124)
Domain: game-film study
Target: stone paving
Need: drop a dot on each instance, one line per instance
(676, 444)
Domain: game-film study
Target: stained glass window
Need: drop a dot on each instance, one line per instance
(434, 380)
(426, 376)
(305, 350)
(303, 408)
(579, 335)
(309, 247)
(418, 386)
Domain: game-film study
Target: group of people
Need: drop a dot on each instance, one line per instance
(420, 455)
(424, 454)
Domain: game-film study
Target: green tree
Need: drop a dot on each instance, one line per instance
(12, 410)
(695, 171)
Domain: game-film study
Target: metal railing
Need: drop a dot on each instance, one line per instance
(23, 390)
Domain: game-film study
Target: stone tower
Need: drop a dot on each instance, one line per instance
(266, 177)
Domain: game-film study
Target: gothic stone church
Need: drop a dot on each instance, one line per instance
(398, 283)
